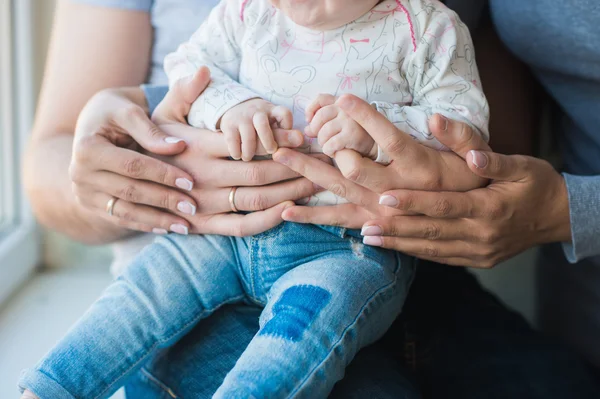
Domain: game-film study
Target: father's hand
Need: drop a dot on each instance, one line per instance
(525, 205)
(361, 180)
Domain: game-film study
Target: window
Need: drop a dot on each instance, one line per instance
(19, 245)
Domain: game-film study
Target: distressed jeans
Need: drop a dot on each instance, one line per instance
(325, 296)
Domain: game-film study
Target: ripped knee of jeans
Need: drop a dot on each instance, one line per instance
(295, 310)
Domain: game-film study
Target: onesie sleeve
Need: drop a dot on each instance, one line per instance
(214, 45)
(443, 79)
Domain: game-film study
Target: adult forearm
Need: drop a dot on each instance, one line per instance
(47, 182)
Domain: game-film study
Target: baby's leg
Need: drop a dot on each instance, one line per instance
(318, 316)
(171, 285)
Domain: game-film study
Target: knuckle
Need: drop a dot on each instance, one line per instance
(495, 210)
(432, 232)
(128, 193)
(392, 145)
(127, 216)
(433, 182)
(259, 202)
(354, 174)
(162, 174)
(134, 167)
(406, 202)
(338, 189)
(430, 251)
(165, 201)
(442, 207)
(254, 175)
(489, 236)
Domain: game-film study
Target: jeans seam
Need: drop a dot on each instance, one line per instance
(158, 382)
(380, 291)
(142, 358)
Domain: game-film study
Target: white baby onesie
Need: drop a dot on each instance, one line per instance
(409, 58)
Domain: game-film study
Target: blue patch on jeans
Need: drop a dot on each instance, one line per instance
(295, 311)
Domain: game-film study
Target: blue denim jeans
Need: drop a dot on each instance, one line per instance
(325, 296)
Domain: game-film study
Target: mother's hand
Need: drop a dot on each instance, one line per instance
(525, 205)
(155, 196)
(361, 180)
(264, 188)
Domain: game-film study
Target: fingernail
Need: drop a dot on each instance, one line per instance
(160, 232)
(173, 140)
(388, 200)
(303, 201)
(371, 231)
(184, 184)
(480, 160)
(318, 188)
(444, 123)
(373, 241)
(179, 229)
(187, 208)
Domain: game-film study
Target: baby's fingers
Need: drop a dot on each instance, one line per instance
(234, 142)
(282, 117)
(322, 116)
(321, 101)
(248, 135)
(265, 134)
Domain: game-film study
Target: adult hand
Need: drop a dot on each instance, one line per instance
(153, 195)
(264, 187)
(525, 205)
(157, 196)
(361, 180)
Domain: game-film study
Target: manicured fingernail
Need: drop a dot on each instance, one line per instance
(187, 208)
(173, 140)
(480, 160)
(179, 229)
(184, 184)
(371, 231)
(444, 123)
(160, 232)
(388, 200)
(373, 241)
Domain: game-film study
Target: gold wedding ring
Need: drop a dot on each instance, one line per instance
(110, 206)
(232, 199)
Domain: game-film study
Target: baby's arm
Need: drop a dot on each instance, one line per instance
(215, 45)
(443, 79)
(226, 104)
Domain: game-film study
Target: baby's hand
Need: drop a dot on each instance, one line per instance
(256, 117)
(336, 130)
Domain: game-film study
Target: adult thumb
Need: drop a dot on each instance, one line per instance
(494, 166)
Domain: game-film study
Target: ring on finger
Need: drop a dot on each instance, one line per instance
(110, 206)
(232, 199)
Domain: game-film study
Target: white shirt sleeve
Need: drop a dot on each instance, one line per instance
(215, 46)
(444, 80)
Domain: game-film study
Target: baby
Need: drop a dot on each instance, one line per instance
(325, 295)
